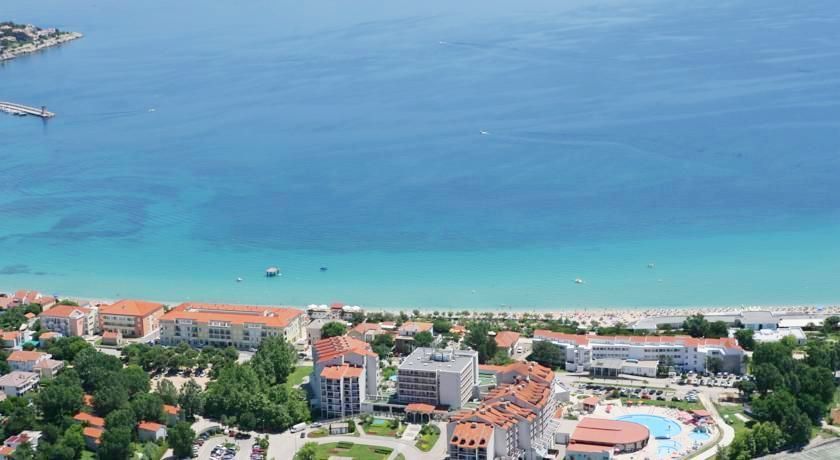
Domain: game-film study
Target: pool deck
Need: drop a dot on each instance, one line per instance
(687, 445)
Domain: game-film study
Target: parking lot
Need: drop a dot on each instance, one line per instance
(227, 448)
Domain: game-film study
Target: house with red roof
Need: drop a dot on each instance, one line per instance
(222, 325)
(173, 414)
(24, 297)
(507, 341)
(131, 318)
(93, 437)
(11, 339)
(346, 371)
(34, 361)
(70, 320)
(366, 331)
(404, 341)
(151, 431)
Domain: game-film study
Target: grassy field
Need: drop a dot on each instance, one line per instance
(427, 441)
(382, 430)
(728, 411)
(354, 451)
(296, 377)
(682, 405)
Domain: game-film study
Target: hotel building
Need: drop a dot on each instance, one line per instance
(687, 353)
(441, 378)
(240, 326)
(514, 420)
(70, 321)
(131, 318)
(344, 375)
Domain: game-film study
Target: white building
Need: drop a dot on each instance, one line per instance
(345, 374)
(775, 335)
(686, 353)
(16, 383)
(441, 378)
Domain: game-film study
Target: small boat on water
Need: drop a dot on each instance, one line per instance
(578, 281)
(271, 272)
(323, 269)
(239, 280)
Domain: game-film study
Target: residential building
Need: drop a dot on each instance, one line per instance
(11, 339)
(33, 361)
(112, 338)
(93, 437)
(514, 420)
(507, 341)
(686, 353)
(46, 337)
(131, 318)
(151, 431)
(13, 442)
(404, 341)
(89, 420)
(442, 378)
(319, 312)
(24, 297)
(173, 414)
(313, 330)
(345, 374)
(70, 321)
(221, 325)
(17, 383)
(366, 331)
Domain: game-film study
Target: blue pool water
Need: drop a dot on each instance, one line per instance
(379, 422)
(699, 436)
(658, 426)
(666, 447)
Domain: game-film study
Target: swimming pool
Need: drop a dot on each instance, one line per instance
(666, 447)
(699, 436)
(378, 422)
(660, 427)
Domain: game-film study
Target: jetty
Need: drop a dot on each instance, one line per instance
(19, 109)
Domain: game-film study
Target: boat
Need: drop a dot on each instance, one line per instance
(239, 280)
(323, 269)
(578, 281)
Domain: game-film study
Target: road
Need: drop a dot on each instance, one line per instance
(728, 433)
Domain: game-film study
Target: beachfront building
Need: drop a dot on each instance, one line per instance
(24, 297)
(441, 378)
(345, 374)
(775, 335)
(687, 353)
(404, 341)
(514, 420)
(71, 321)
(131, 318)
(240, 326)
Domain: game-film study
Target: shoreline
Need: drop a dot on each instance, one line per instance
(29, 48)
(605, 316)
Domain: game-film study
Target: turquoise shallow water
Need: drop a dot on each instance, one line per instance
(203, 141)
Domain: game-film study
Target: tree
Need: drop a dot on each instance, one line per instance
(95, 368)
(767, 377)
(61, 397)
(441, 326)
(479, 340)
(116, 444)
(111, 395)
(167, 392)
(147, 406)
(357, 318)
(180, 438)
(333, 329)
(191, 400)
(714, 364)
(501, 358)
(66, 348)
(24, 452)
(121, 418)
(73, 440)
(548, 354)
(135, 379)
(309, 451)
(830, 324)
(423, 339)
(745, 338)
(696, 325)
(275, 359)
(717, 329)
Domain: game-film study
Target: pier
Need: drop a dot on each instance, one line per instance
(18, 109)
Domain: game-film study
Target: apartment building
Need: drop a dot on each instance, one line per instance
(131, 318)
(441, 378)
(71, 321)
(366, 331)
(404, 341)
(345, 374)
(515, 420)
(222, 325)
(687, 353)
(16, 383)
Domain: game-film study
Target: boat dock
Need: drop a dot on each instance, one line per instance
(22, 110)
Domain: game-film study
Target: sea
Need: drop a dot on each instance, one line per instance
(478, 154)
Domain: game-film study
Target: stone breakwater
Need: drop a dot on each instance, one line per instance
(27, 48)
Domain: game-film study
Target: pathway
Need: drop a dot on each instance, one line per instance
(728, 433)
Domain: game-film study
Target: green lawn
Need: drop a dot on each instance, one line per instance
(88, 455)
(354, 451)
(682, 405)
(427, 441)
(296, 377)
(728, 411)
(382, 430)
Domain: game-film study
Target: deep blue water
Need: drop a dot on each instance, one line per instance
(198, 141)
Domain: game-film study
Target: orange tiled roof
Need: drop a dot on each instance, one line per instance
(332, 347)
(91, 420)
(48, 335)
(110, 334)
(457, 329)
(124, 307)
(64, 311)
(234, 314)
(171, 410)
(506, 339)
(606, 432)
(591, 401)
(471, 435)
(684, 340)
(341, 372)
(420, 408)
(524, 370)
(91, 432)
(149, 426)
(7, 451)
(418, 326)
(22, 355)
(87, 400)
(362, 328)
(11, 335)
